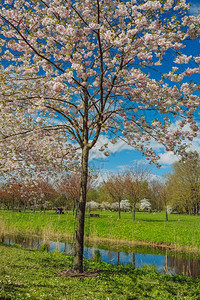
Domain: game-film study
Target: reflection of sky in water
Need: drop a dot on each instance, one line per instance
(114, 257)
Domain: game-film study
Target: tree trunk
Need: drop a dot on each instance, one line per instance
(78, 256)
(119, 209)
(166, 214)
(133, 260)
(74, 207)
(133, 216)
(118, 258)
(13, 202)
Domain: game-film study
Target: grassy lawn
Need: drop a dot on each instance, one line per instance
(33, 274)
(180, 230)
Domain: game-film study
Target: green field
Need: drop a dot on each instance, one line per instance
(181, 231)
(33, 274)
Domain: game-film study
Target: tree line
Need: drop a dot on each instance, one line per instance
(178, 191)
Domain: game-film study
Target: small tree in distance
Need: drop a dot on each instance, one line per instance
(114, 185)
(82, 68)
(136, 185)
(162, 192)
(145, 204)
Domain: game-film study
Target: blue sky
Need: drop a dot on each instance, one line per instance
(122, 155)
(195, 6)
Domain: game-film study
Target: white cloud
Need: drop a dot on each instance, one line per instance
(168, 158)
(155, 177)
(155, 145)
(112, 148)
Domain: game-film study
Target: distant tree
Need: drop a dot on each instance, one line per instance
(162, 190)
(136, 185)
(104, 196)
(10, 195)
(6, 198)
(69, 186)
(49, 195)
(125, 205)
(32, 194)
(156, 202)
(114, 185)
(145, 204)
(184, 184)
(105, 205)
(92, 205)
(93, 195)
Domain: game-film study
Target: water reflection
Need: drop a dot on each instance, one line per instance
(166, 262)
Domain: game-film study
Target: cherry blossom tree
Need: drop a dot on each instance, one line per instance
(125, 205)
(92, 205)
(145, 204)
(105, 205)
(79, 69)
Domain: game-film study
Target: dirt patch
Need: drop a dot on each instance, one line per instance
(73, 274)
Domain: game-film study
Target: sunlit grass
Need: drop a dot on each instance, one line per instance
(180, 230)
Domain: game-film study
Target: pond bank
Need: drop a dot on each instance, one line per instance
(180, 233)
(165, 261)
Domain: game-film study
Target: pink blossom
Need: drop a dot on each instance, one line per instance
(39, 120)
(58, 87)
(93, 26)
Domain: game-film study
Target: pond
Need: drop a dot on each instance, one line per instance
(165, 261)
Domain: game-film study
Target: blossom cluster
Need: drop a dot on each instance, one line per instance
(75, 69)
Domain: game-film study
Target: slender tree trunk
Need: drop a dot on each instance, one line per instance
(74, 207)
(119, 209)
(133, 216)
(166, 214)
(166, 263)
(78, 256)
(118, 258)
(133, 260)
(13, 202)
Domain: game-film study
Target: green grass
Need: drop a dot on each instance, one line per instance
(180, 230)
(33, 274)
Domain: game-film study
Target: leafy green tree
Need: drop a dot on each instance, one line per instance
(184, 184)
